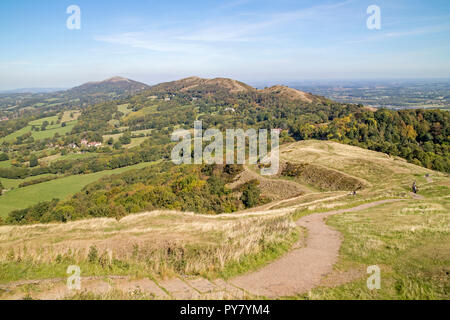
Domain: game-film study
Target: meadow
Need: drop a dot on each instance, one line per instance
(61, 188)
(39, 135)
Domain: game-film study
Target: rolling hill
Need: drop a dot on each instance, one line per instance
(114, 85)
(405, 234)
(80, 96)
(196, 85)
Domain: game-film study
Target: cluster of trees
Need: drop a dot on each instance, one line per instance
(420, 136)
(37, 181)
(189, 188)
(89, 165)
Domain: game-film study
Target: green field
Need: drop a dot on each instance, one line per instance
(8, 184)
(39, 122)
(5, 164)
(39, 135)
(70, 156)
(60, 189)
(124, 108)
(136, 142)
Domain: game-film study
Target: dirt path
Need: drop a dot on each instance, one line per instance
(297, 272)
(302, 269)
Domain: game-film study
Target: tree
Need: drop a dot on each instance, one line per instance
(117, 145)
(251, 193)
(216, 185)
(4, 156)
(125, 139)
(33, 161)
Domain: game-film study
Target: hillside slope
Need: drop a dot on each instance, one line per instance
(196, 85)
(182, 245)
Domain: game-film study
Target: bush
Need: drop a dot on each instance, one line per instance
(33, 161)
(93, 254)
(251, 194)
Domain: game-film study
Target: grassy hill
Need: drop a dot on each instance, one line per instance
(407, 239)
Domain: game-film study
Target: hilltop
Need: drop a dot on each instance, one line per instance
(116, 85)
(291, 94)
(199, 86)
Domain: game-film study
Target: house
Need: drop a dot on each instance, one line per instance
(93, 144)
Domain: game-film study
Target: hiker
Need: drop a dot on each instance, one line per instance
(414, 187)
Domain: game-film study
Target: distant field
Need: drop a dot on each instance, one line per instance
(60, 189)
(49, 133)
(5, 164)
(14, 183)
(124, 108)
(67, 115)
(142, 112)
(134, 141)
(39, 122)
(70, 156)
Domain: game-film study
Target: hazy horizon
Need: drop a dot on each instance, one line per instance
(247, 40)
(254, 83)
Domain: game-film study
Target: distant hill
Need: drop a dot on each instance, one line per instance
(200, 85)
(196, 85)
(86, 94)
(115, 85)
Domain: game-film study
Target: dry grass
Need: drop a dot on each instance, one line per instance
(67, 115)
(162, 243)
(273, 189)
(323, 178)
(403, 237)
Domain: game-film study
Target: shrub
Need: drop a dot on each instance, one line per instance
(251, 194)
(93, 254)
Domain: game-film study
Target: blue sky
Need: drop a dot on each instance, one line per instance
(250, 40)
